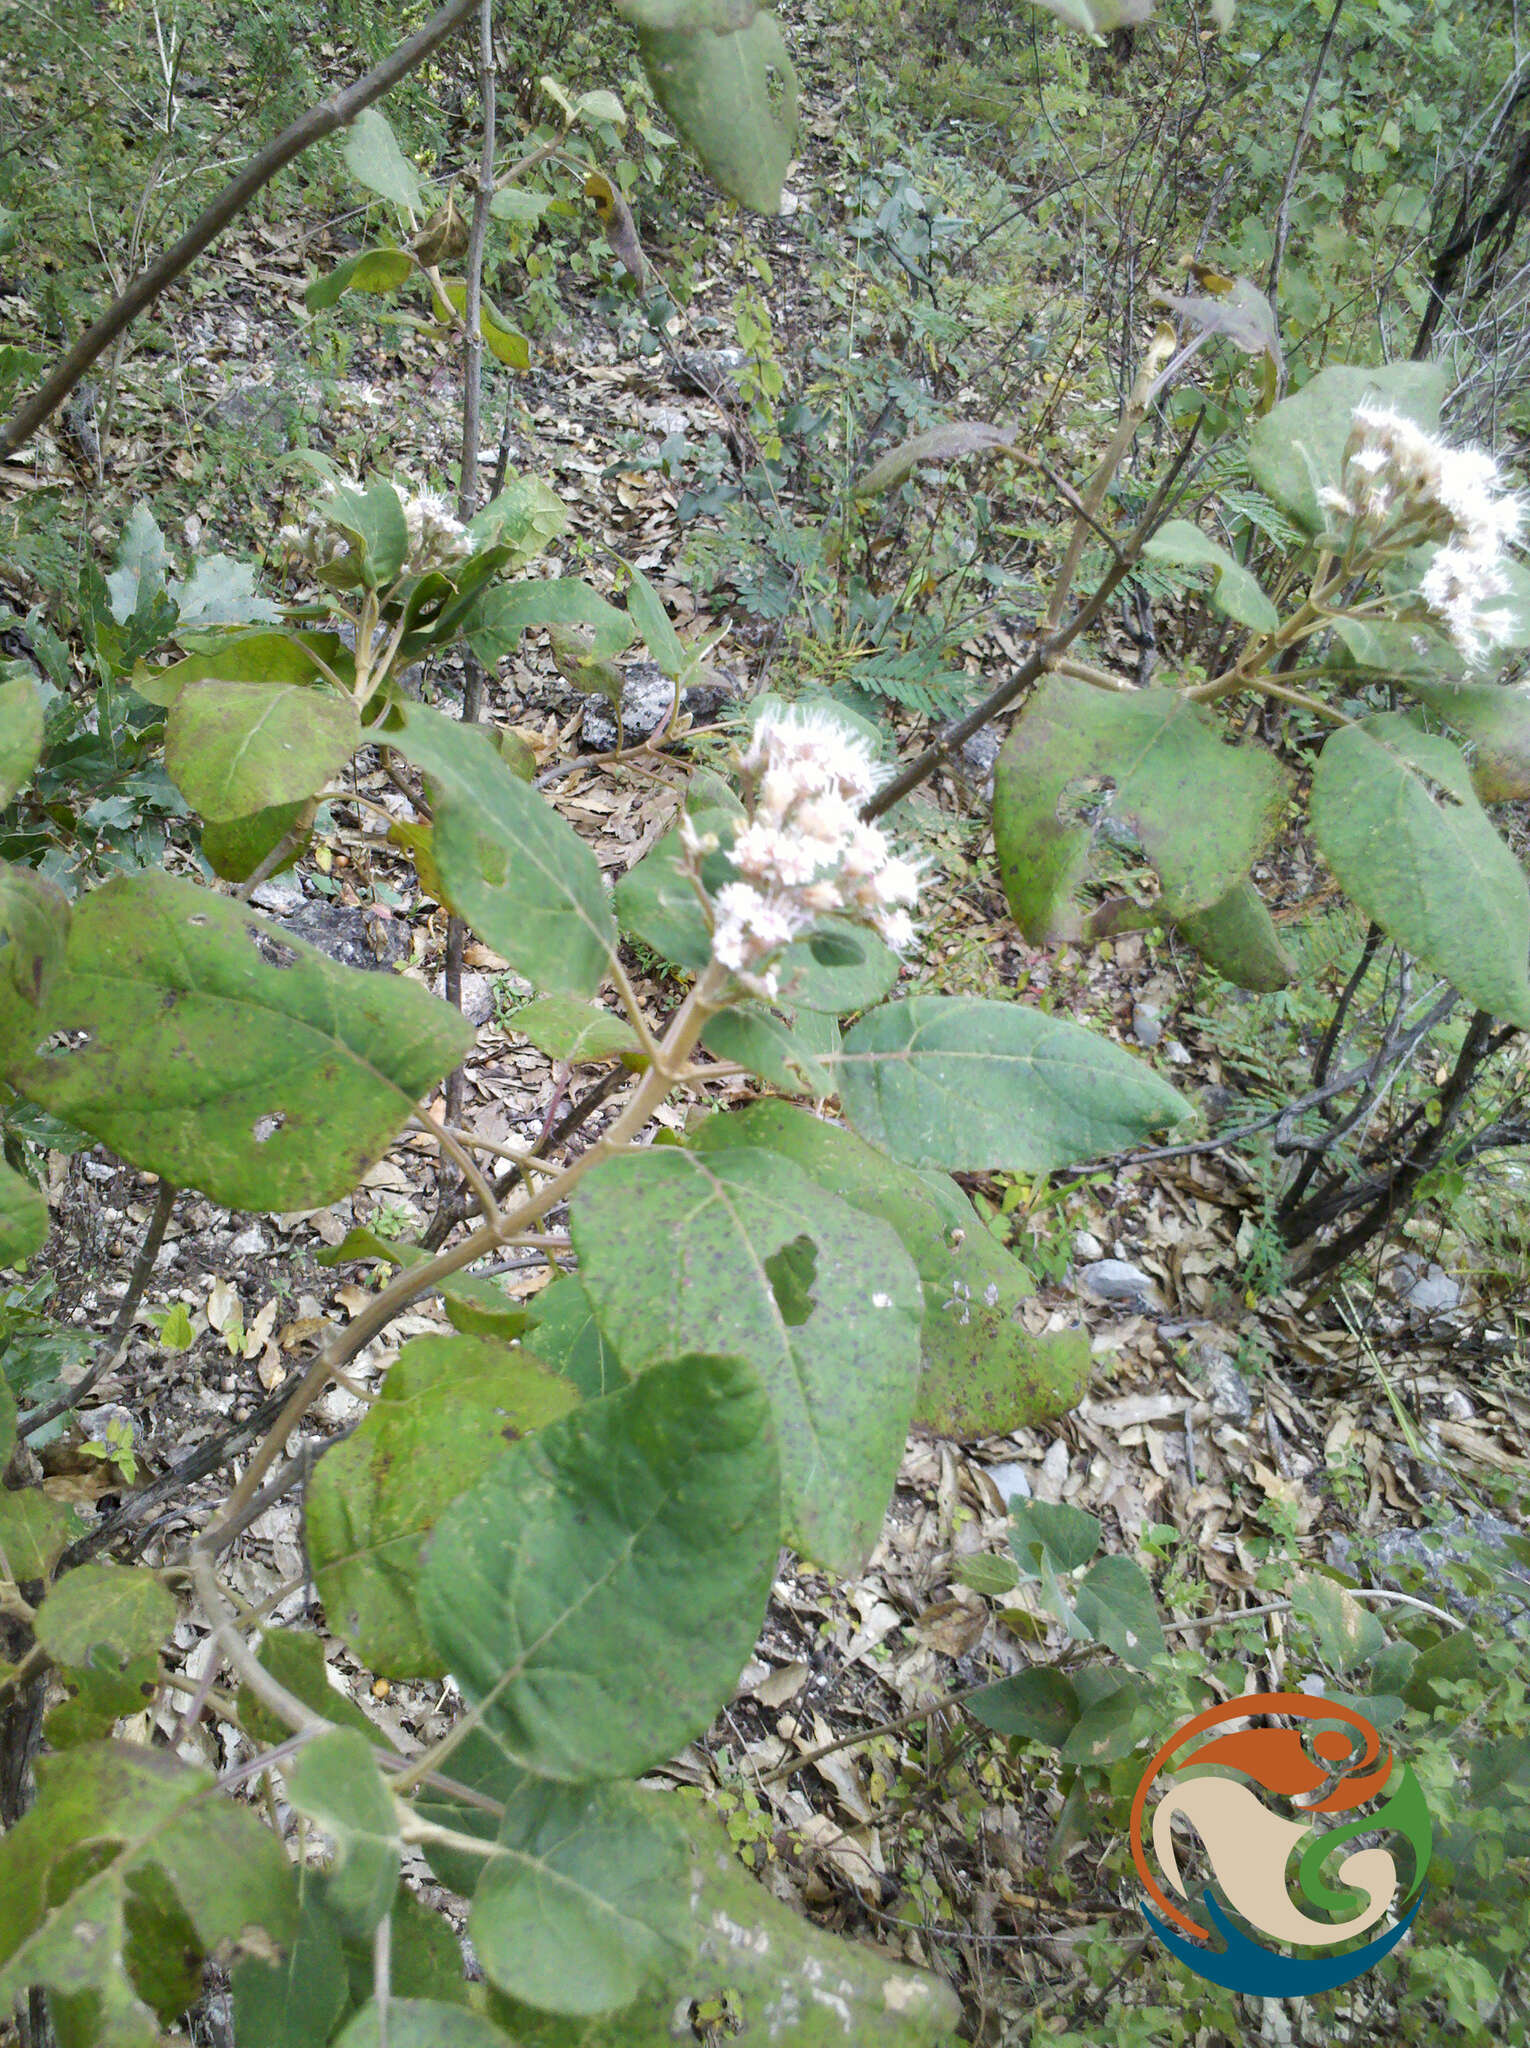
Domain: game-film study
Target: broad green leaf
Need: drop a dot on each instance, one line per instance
(1395, 817)
(373, 522)
(475, 1303)
(297, 1661)
(516, 204)
(589, 1871)
(659, 636)
(743, 1250)
(105, 1614)
(656, 902)
(505, 343)
(219, 592)
(424, 1959)
(1297, 450)
(719, 69)
(420, 2023)
(1202, 810)
(1497, 723)
(370, 270)
(520, 876)
(1115, 1602)
(935, 444)
(1037, 1705)
(1123, 1713)
(23, 1219)
(981, 1372)
(235, 847)
(199, 1041)
(34, 1530)
(573, 1032)
(1238, 938)
(596, 1593)
(142, 560)
(777, 1980)
(507, 611)
(21, 733)
(837, 968)
(600, 106)
(241, 658)
(979, 1086)
(336, 1782)
(296, 2001)
(764, 1044)
(525, 517)
(123, 1842)
(1235, 593)
(234, 748)
(447, 1408)
(1047, 1531)
(568, 1338)
(374, 159)
(7, 1425)
(1403, 649)
(1348, 1635)
(34, 930)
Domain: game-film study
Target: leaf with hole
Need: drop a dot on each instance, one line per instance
(521, 877)
(203, 1044)
(1114, 1601)
(742, 1250)
(981, 1371)
(566, 1591)
(448, 1407)
(719, 69)
(298, 2000)
(1202, 810)
(974, 1086)
(123, 1844)
(593, 1871)
(1395, 817)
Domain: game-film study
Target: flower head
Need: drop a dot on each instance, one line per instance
(1403, 484)
(804, 852)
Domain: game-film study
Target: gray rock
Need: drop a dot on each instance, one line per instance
(648, 696)
(354, 937)
(976, 756)
(1012, 1480)
(1117, 1280)
(281, 895)
(1147, 1024)
(1417, 1561)
(1087, 1246)
(1226, 1388)
(249, 1244)
(715, 372)
(1433, 1293)
(1175, 1053)
(477, 996)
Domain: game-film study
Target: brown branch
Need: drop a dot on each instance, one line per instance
(309, 128)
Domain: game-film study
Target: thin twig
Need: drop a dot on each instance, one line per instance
(336, 112)
(115, 1343)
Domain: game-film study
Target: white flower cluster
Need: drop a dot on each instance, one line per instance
(805, 853)
(1396, 476)
(437, 538)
